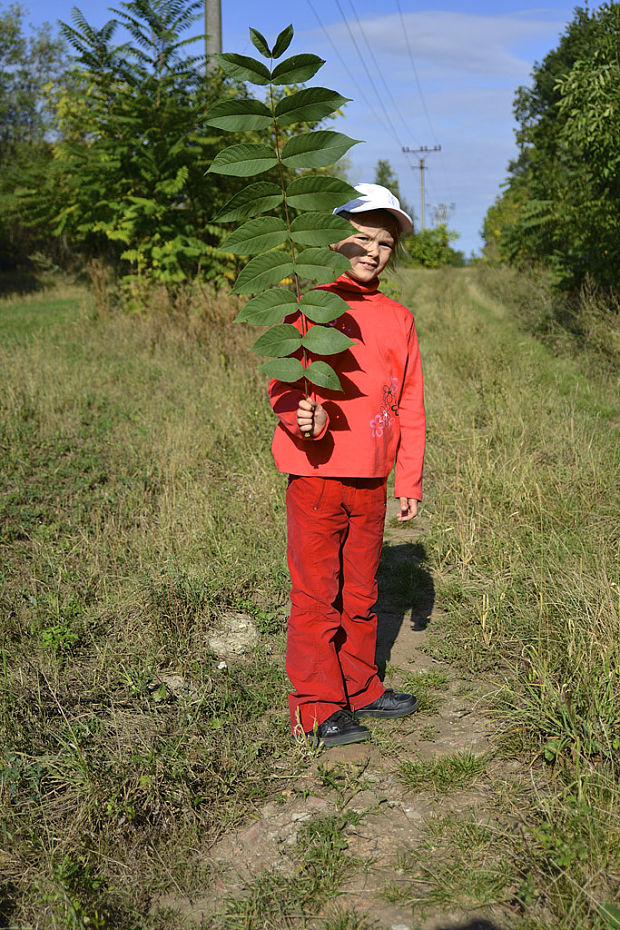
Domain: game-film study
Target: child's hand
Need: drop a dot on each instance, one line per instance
(408, 509)
(311, 418)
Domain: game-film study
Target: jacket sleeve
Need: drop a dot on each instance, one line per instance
(285, 401)
(410, 454)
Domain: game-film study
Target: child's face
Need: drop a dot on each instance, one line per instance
(369, 249)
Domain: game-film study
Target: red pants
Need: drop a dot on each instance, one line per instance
(335, 533)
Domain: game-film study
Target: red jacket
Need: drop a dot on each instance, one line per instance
(380, 415)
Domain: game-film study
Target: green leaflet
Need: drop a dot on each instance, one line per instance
(316, 149)
(240, 114)
(312, 103)
(268, 308)
(263, 271)
(323, 375)
(318, 192)
(282, 42)
(321, 265)
(284, 369)
(325, 340)
(260, 42)
(244, 161)
(280, 340)
(322, 306)
(270, 238)
(320, 229)
(252, 200)
(243, 68)
(296, 69)
(255, 236)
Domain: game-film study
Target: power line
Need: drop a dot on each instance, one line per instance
(415, 70)
(344, 64)
(380, 73)
(404, 149)
(419, 86)
(368, 74)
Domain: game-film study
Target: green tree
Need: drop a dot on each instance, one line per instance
(131, 150)
(27, 64)
(561, 205)
(430, 248)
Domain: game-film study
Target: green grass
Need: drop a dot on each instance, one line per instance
(427, 687)
(24, 317)
(461, 864)
(444, 773)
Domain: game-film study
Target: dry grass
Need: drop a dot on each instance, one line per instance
(523, 548)
(139, 501)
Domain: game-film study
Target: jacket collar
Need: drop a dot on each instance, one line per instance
(345, 283)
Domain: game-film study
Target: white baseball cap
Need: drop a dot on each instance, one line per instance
(376, 197)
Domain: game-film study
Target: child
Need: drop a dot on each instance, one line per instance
(338, 449)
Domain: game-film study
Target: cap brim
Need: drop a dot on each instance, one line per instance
(404, 220)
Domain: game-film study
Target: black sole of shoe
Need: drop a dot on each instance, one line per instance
(397, 712)
(344, 739)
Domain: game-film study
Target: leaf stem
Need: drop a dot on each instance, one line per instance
(304, 322)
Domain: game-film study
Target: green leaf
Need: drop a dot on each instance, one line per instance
(282, 339)
(318, 192)
(284, 369)
(282, 42)
(256, 236)
(325, 340)
(296, 69)
(322, 306)
(241, 114)
(263, 271)
(321, 265)
(312, 103)
(320, 229)
(244, 161)
(252, 200)
(242, 68)
(269, 307)
(316, 149)
(323, 375)
(260, 42)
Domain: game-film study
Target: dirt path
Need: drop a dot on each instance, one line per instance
(410, 839)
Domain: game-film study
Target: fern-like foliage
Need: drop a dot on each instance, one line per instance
(286, 247)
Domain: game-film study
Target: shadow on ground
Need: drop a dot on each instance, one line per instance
(406, 591)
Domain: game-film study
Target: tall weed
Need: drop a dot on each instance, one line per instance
(522, 505)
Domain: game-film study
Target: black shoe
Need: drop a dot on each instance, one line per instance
(338, 730)
(390, 704)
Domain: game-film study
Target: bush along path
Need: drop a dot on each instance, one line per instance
(495, 805)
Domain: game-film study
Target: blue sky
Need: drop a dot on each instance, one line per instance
(469, 58)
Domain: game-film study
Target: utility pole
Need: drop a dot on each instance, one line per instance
(423, 151)
(213, 31)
